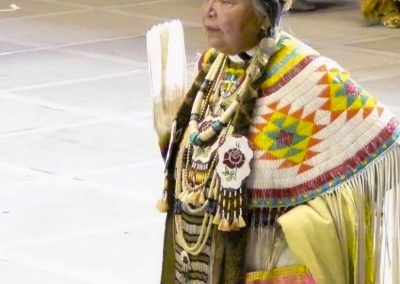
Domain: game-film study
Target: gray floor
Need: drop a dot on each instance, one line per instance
(80, 171)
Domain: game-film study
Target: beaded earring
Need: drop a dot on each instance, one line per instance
(268, 42)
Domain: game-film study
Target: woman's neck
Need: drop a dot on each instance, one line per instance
(243, 57)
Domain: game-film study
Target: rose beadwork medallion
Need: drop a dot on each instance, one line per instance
(233, 166)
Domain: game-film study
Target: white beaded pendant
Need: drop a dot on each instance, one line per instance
(234, 157)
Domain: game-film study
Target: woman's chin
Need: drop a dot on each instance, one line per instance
(220, 47)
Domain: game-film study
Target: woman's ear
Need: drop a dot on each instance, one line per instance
(261, 17)
(265, 24)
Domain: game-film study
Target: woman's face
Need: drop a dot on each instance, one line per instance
(231, 26)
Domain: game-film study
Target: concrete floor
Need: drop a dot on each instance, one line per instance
(80, 171)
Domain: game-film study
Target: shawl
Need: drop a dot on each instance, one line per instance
(313, 128)
(315, 133)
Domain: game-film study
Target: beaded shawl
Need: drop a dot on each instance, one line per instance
(313, 128)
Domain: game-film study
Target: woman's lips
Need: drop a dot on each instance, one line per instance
(212, 29)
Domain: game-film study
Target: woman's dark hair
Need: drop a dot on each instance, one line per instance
(273, 9)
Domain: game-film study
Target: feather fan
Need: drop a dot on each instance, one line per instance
(167, 66)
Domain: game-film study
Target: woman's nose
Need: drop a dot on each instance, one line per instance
(209, 8)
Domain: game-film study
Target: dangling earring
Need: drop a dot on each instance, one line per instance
(267, 43)
(266, 48)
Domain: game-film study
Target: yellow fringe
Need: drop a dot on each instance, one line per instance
(217, 219)
(162, 205)
(242, 223)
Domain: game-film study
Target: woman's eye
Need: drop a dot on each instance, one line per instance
(226, 2)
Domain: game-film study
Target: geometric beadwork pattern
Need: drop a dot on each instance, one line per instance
(287, 136)
(345, 96)
(312, 130)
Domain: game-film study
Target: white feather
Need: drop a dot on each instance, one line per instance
(167, 66)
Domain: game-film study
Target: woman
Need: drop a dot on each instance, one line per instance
(278, 164)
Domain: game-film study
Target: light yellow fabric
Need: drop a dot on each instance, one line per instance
(349, 209)
(311, 235)
(358, 229)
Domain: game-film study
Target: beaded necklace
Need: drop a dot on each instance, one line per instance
(197, 183)
(200, 106)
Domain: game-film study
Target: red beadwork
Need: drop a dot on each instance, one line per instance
(234, 158)
(286, 138)
(351, 89)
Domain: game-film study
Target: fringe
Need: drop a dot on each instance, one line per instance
(366, 214)
(266, 241)
(372, 200)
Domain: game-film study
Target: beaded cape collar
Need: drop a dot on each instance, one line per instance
(313, 128)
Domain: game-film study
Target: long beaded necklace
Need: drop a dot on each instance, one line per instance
(197, 181)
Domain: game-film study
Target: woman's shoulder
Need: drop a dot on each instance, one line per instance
(289, 43)
(292, 58)
(295, 60)
(293, 53)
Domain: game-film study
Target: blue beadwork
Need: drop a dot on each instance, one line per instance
(178, 206)
(217, 126)
(212, 206)
(195, 139)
